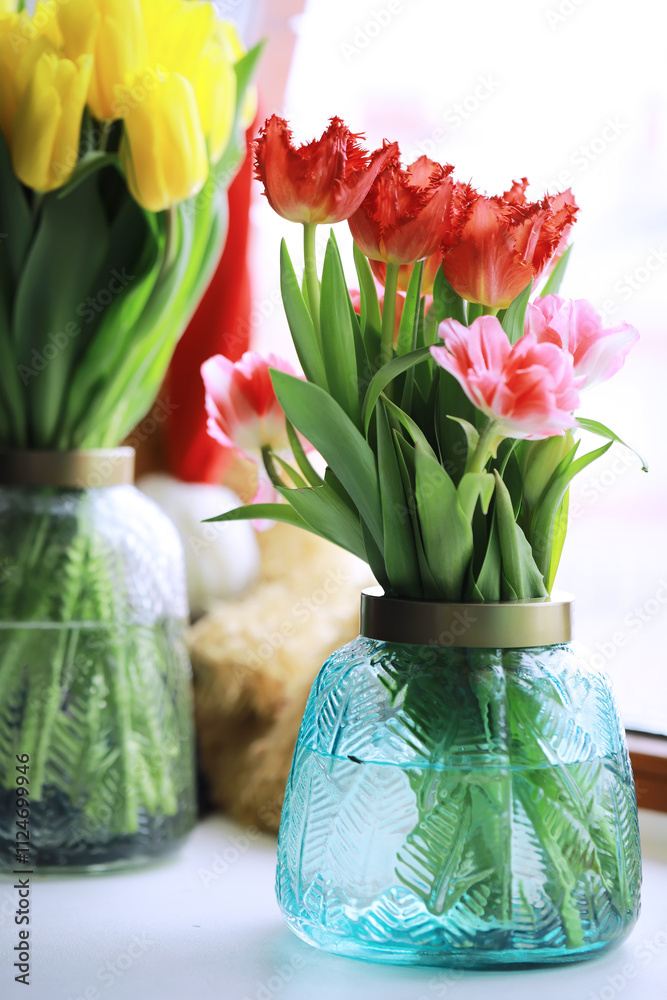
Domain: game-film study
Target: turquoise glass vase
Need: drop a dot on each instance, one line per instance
(460, 805)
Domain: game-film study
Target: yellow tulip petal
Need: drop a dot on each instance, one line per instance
(177, 31)
(36, 124)
(47, 125)
(229, 39)
(73, 81)
(112, 31)
(163, 148)
(42, 24)
(29, 56)
(216, 97)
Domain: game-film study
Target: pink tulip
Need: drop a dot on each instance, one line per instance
(243, 412)
(575, 326)
(528, 389)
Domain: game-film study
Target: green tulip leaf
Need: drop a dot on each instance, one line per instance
(453, 441)
(488, 586)
(405, 454)
(15, 236)
(447, 304)
(515, 315)
(546, 512)
(475, 486)
(282, 512)
(292, 474)
(413, 429)
(300, 322)
(387, 374)
(419, 378)
(89, 164)
(399, 547)
(558, 539)
(328, 516)
(595, 427)
(471, 435)
(16, 223)
(407, 340)
(301, 458)
(324, 423)
(555, 279)
(57, 276)
(522, 578)
(446, 531)
(371, 318)
(338, 340)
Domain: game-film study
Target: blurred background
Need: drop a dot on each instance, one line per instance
(569, 93)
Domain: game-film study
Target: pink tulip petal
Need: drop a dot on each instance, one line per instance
(529, 389)
(577, 327)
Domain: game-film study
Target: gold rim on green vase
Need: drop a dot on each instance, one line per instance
(483, 625)
(85, 469)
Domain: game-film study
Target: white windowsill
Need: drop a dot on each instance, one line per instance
(193, 929)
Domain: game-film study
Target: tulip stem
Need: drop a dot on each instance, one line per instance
(104, 137)
(270, 466)
(486, 448)
(489, 311)
(388, 313)
(312, 281)
(36, 204)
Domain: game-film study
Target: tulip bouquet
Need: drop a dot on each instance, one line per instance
(122, 127)
(444, 406)
(443, 398)
(122, 124)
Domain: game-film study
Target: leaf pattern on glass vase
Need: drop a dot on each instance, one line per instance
(100, 700)
(350, 707)
(363, 822)
(460, 805)
(309, 813)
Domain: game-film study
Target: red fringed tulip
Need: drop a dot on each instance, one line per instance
(406, 214)
(529, 390)
(323, 181)
(505, 243)
(576, 327)
(243, 412)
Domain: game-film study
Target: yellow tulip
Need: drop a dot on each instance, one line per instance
(22, 41)
(163, 149)
(42, 24)
(45, 136)
(177, 31)
(113, 32)
(185, 37)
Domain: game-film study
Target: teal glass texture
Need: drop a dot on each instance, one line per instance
(95, 679)
(460, 807)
